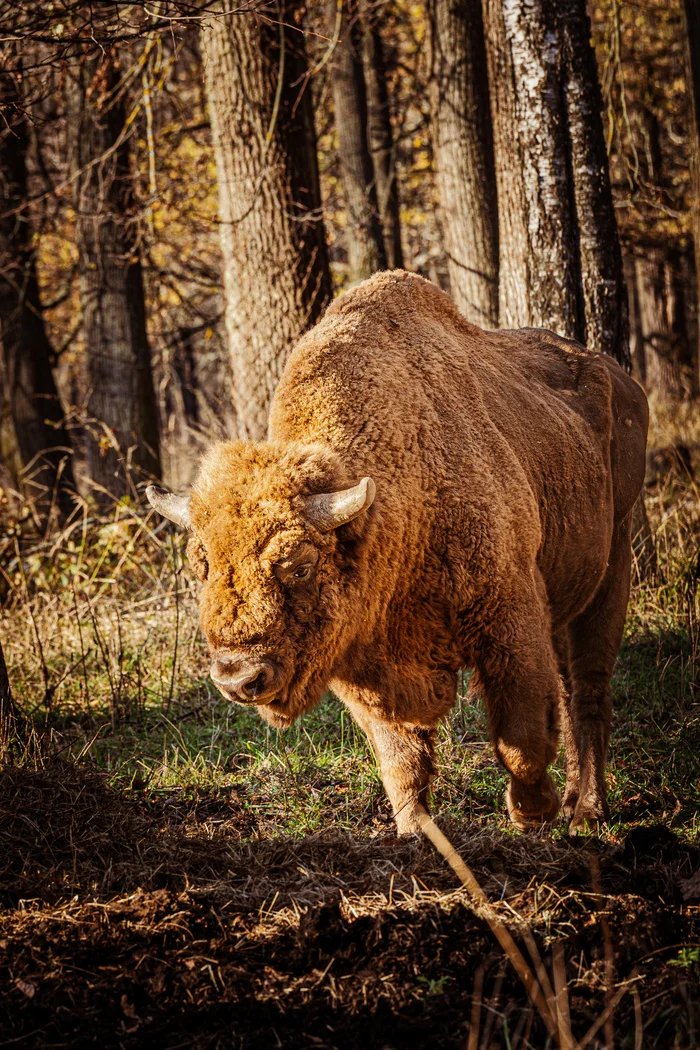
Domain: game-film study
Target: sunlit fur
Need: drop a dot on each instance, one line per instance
(247, 513)
(506, 466)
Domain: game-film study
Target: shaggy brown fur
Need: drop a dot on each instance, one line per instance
(506, 466)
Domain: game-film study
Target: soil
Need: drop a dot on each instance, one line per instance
(175, 922)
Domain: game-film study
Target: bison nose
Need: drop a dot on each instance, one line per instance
(246, 680)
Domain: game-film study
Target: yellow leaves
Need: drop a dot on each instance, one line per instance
(422, 161)
(168, 296)
(417, 14)
(413, 217)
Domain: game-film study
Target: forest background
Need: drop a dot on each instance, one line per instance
(376, 139)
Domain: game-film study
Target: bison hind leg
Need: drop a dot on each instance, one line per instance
(566, 721)
(594, 638)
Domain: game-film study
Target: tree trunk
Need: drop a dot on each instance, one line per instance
(692, 81)
(560, 259)
(10, 721)
(662, 322)
(538, 260)
(121, 403)
(636, 339)
(366, 249)
(33, 439)
(380, 134)
(603, 299)
(276, 275)
(513, 240)
(463, 152)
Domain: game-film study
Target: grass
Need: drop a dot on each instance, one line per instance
(141, 781)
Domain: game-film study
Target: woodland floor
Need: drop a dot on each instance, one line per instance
(175, 874)
(174, 921)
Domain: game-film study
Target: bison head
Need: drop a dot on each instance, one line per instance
(277, 541)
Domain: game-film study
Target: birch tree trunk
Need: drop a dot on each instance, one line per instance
(463, 151)
(537, 252)
(33, 441)
(365, 239)
(276, 275)
(560, 259)
(380, 134)
(123, 440)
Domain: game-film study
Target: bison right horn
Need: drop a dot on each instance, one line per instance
(329, 510)
(175, 508)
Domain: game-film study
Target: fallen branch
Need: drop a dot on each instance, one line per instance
(502, 934)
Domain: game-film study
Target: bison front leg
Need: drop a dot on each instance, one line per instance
(519, 675)
(405, 756)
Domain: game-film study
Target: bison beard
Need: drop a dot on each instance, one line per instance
(506, 466)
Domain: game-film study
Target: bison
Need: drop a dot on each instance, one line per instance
(431, 496)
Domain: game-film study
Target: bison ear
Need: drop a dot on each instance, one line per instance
(175, 508)
(330, 510)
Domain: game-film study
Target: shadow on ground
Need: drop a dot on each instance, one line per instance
(174, 922)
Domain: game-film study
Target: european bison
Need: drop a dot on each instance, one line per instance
(431, 496)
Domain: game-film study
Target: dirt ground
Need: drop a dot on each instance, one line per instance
(175, 922)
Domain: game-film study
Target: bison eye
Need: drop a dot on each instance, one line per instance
(298, 568)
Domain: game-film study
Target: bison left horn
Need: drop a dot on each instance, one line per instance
(175, 508)
(329, 510)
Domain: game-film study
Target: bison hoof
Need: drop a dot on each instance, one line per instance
(588, 816)
(569, 803)
(532, 805)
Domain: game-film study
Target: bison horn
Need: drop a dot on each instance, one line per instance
(175, 508)
(329, 510)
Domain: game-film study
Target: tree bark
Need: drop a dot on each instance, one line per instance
(513, 239)
(121, 403)
(366, 248)
(33, 440)
(537, 252)
(638, 362)
(560, 259)
(380, 134)
(463, 152)
(662, 323)
(692, 79)
(276, 274)
(603, 298)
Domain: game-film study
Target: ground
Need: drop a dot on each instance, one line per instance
(173, 873)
